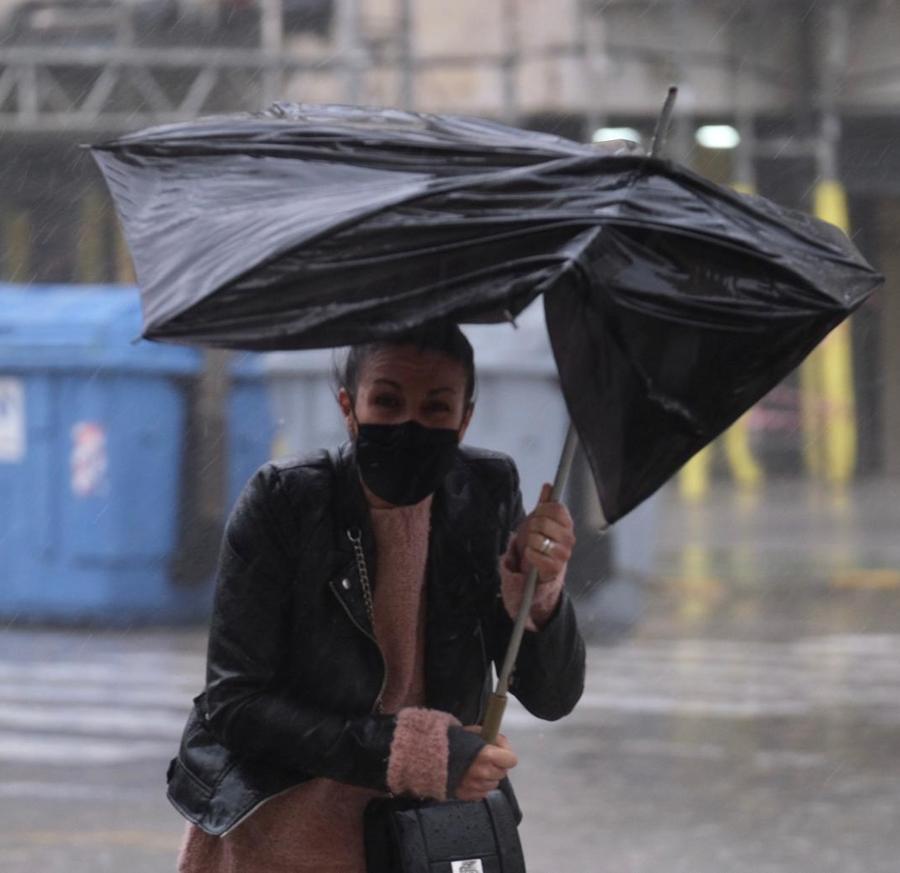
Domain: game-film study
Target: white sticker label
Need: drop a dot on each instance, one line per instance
(88, 462)
(473, 865)
(12, 420)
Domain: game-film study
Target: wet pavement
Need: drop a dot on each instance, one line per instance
(751, 723)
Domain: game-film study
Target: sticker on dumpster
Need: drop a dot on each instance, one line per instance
(12, 420)
(89, 460)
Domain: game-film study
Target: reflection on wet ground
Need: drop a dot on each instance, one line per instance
(708, 754)
(752, 723)
(775, 564)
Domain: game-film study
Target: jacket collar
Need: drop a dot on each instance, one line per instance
(352, 509)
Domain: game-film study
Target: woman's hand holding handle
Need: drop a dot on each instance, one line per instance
(490, 766)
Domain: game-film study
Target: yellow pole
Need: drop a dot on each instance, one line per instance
(837, 417)
(693, 480)
(17, 246)
(124, 266)
(746, 471)
(811, 414)
(89, 249)
(744, 467)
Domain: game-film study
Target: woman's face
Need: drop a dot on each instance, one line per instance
(403, 383)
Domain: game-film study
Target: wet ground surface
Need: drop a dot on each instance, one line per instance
(752, 722)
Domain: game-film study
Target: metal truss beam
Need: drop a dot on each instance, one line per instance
(92, 90)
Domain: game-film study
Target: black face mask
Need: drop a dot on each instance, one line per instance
(404, 463)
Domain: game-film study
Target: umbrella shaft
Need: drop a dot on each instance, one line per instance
(490, 730)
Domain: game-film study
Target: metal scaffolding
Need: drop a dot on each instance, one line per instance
(86, 89)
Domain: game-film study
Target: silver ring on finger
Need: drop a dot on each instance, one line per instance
(546, 546)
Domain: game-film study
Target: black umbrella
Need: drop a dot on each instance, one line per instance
(672, 304)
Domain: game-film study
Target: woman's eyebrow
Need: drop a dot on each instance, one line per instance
(443, 390)
(390, 382)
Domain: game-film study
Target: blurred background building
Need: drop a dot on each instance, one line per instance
(793, 99)
(785, 97)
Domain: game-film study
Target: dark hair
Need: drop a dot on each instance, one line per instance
(442, 337)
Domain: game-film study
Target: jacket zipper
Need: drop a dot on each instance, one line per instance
(363, 572)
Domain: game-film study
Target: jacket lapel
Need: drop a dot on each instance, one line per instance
(463, 548)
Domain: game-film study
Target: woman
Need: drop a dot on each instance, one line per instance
(362, 596)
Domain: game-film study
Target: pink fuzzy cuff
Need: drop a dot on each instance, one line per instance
(419, 753)
(512, 587)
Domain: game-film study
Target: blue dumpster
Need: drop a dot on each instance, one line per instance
(91, 459)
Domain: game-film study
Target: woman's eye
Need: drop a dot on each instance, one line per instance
(387, 400)
(437, 408)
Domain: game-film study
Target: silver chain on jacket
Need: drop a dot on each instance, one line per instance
(356, 541)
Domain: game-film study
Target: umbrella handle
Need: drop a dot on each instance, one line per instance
(490, 726)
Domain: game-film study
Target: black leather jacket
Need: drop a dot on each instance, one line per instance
(293, 670)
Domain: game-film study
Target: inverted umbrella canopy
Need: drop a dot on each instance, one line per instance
(672, 304)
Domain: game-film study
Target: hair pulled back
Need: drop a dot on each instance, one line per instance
(442, 337)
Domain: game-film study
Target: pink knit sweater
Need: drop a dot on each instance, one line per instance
(317, 826)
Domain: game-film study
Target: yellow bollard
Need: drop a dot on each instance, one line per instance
(746, 471)
(836, 417)
(693, 480)
(839, 406)
(811, 415)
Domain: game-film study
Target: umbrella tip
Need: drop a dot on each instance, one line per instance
(663, 122)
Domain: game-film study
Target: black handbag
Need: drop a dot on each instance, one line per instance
(451, 836)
